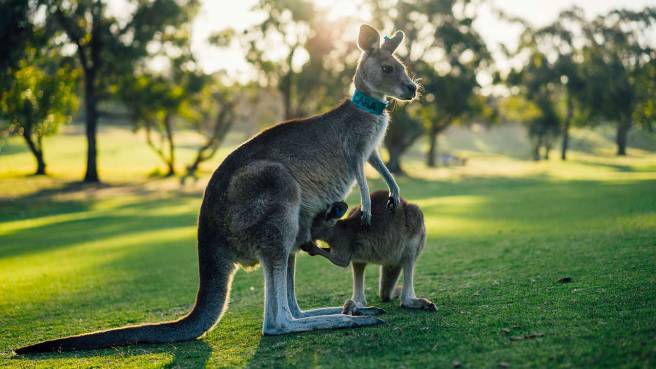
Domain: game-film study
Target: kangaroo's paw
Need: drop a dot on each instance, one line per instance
(419, 303)
(351, 308)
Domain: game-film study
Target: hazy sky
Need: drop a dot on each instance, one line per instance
(216, 15)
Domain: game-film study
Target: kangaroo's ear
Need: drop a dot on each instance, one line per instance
(336, 210)
(368, 39)
(390, 44)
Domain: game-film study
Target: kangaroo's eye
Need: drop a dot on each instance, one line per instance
(387, 69)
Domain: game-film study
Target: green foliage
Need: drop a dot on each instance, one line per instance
(551, 78)
(617, 61)
(112, 49)
(154, 101)
(40, 97)
(108, 49)
(645, 111)
(446, 53)
(17, 33)
(516, 108)
(296, 50)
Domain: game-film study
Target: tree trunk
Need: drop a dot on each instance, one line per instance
(623, 127)
(536, 148)
(394, 162)
(568, 119)
(432, 145)
(91, 125)
(37, 151)
(436, 128)
(168, 128)
(90, 68)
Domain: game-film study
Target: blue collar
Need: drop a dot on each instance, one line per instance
(368, 103)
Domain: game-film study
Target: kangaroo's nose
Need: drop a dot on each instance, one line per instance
(411, 88)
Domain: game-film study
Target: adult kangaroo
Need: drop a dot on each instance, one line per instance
(259, 206)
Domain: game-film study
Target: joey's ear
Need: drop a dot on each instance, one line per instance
(368, 39)
(390, 44)
(336, 210)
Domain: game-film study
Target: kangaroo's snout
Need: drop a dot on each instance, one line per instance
(410, 91)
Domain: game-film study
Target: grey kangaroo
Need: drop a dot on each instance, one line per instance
(259, 205)
(394, 241)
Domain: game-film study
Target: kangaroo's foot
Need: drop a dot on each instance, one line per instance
(336, 321)
(419, 303)
(319, 312)
(352, 308)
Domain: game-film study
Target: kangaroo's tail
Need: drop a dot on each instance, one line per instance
(216, 271)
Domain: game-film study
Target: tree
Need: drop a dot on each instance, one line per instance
(617, 54)
(560, 39)
(645, 111)
(405, 129)
(152, 102)
(107, 49)
(40, 97)
(155, 100)
(447, 53)
(17, 33)
(538, 82)
(215, 114)
(311, 54)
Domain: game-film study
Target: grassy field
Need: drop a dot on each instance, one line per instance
(502, 233)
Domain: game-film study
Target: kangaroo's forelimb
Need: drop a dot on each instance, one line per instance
(364, 193)
(395, 192)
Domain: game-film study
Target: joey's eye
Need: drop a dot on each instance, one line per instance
(387, 69)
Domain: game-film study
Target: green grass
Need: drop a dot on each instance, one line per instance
(502, 232)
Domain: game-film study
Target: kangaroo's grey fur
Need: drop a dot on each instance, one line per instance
(393, 241)
(260, 202)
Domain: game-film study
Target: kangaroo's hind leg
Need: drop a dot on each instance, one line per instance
(389, 275)
(291, 296)
(357, 305)
(408, 298)
(278, 318)
(265, 202)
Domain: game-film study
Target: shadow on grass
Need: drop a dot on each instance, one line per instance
(622, 168)
(94, 227)
(192, 354)
(503, 199)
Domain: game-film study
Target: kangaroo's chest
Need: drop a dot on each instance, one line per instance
(336, 173)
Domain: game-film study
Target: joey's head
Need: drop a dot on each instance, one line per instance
(325, 228)
(324, 223)
(379, 72)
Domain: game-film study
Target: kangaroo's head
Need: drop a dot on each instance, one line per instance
(325, 228)
(379, 72)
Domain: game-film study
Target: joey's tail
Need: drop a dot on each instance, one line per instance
(216, 271)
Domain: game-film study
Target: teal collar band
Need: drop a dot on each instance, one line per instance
(368, 103)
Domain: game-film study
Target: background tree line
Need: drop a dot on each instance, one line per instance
(60, 55)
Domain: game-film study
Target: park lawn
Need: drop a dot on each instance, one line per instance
(501, 234)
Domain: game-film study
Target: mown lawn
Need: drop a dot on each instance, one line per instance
(502, 233)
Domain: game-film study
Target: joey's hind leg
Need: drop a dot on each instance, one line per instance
(357, 305)
(358, 284)
(389, 275)
(408, 298)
